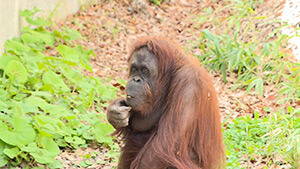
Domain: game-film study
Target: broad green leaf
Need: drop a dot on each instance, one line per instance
(4, 95)
(73, 75)
(38, 22)
(72, 34)
(43, 94)
(75, 140)
(21, 134)
(32, 36)
(85, 58)
(29, 108)
(61, 143)
(20, 96)
(106, 92)
(3, 106)
(87, 86)
(28, 13)
(2, 146)
(42, 156)
(55, 81)
(69, 53)
(15, 46)
(55, 164)
(88, 135)
(30, 148)
(55, 110)
(50, 145)
(78, 140)
(5, 58)
(28, 38)
(3, 161)
(102, 132)
(17, 110)
(36, 101)
(12, 152)
(15, 70)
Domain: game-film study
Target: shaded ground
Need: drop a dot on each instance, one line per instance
(109, 28)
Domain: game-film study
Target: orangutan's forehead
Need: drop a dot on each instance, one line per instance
(142, 55)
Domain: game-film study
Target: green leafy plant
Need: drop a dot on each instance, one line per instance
(291, 83)
(254, 67)
(46, 102)
(273, 139)
(157, 2)
(241, 49)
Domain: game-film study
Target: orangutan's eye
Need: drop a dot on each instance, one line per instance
(145, 70)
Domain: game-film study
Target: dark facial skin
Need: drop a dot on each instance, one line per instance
(137, 109)
(140, 87)
(140, 90)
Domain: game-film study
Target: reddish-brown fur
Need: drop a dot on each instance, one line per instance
(188, 134)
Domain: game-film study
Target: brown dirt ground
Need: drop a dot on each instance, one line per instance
(110, 27)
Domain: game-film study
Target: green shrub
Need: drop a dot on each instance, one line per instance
(46, 102)
(273, 139)
(157, 2)
(257, 59)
